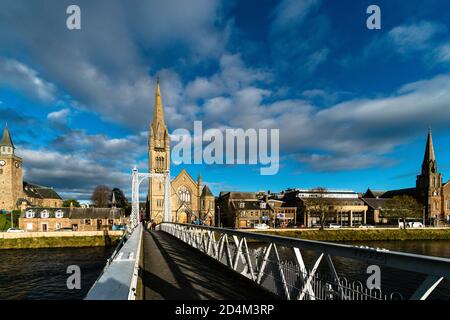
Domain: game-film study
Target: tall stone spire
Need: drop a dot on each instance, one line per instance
(6, 140)
(158, 113)
(429, 150)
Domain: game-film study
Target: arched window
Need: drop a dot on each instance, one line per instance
(184, 194)
(44, 214)
(30, 214)
(59, 214)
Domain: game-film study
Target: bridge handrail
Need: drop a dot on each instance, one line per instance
(288, 276)
(119, 277)
(400, 260)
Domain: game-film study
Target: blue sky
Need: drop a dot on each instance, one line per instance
(353, 105)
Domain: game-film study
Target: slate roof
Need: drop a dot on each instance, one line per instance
(239, 195)
(207, 192)
(41, 192)
(375, 203)
(400, 192)
(6, 139)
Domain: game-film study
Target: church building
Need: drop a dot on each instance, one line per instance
(15, 193)
(430, 191)
(189, 199)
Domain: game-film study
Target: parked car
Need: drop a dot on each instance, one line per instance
(261, 226)
(334, 226)
(366, 226)
(15, 230)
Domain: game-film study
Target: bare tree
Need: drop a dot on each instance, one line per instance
(402, 207)
(320, 205)
(101, 196)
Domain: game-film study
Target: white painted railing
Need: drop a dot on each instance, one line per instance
(119, 278)
(278, 264)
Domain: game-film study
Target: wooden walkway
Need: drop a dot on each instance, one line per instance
(174, 271)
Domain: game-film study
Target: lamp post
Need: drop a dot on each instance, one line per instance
(218, 210)
(424, 216)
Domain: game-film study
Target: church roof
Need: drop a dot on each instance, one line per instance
(41, 192)
(400, 192)
(6, 139)
(207, 192)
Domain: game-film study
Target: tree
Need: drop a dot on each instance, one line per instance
(101, 197)
(402, 207)
(121, 200)
(320, 205)
(75, 203)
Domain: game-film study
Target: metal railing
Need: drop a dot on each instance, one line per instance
(297, 269)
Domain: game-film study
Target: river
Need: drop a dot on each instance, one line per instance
(41, 273)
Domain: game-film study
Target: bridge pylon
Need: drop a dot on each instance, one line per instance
(137, 179)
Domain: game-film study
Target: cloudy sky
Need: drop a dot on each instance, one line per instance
(353, 105)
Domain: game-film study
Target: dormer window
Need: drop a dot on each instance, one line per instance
(30, 214)
(241, 205)
(44, 214)
(59, 214)
(262, 205)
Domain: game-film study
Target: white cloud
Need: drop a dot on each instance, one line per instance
(414, 36)
(290, 13)
(21, 77)
(60, 116)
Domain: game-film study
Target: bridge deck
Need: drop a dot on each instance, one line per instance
(175, 271)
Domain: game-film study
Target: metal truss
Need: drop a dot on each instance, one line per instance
(278, 263)
(137, 179)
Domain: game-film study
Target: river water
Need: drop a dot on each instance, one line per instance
(41, 273)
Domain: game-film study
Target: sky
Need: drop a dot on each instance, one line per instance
(353, 105)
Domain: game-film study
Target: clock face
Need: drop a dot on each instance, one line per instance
(2, 163)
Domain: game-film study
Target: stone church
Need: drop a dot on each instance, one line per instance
(14, 192)
(190, 200)
(430, 191)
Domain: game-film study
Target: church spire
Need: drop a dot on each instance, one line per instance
(158, 113)
(6, 139)
(429, 150)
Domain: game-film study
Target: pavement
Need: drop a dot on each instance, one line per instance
(172, 270)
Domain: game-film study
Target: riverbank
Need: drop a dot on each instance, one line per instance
(343, 235)
(76, 239)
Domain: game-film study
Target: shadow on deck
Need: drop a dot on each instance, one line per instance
(172, 270)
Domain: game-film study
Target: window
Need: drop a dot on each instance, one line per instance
(29, 226)
(110, 221)
(44, 214)
(242, 205)
(58, 226)
(87, 222)
(59, 214)
(262, 205)
(184, 194)
(448, 203)
(30, 214)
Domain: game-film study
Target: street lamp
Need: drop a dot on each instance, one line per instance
(218, 210)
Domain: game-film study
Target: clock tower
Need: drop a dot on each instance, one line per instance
(159, 158)
(11, 176)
